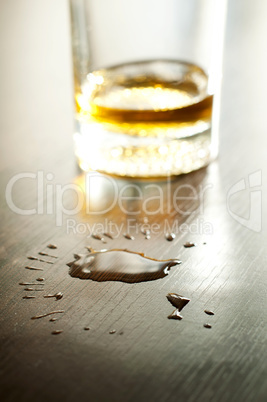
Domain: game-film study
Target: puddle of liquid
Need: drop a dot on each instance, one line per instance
(207, 326)
(56, 332)
(36, 317)
(170, 236)
(128, 236)
(52, 246)
(33, 268)
(177, 301)
(209, 312)
(112, 331)
(119, 265)
(189, 244)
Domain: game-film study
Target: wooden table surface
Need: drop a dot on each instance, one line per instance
(148, 358)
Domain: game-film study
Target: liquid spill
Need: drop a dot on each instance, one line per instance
(47, 255)
(209, 312)
(189, 244)
(34, 268)
(52, 246)
(175, 315)
(207, 326)
(108, 235)
(86, 328)
(36, 317)
(119, 265)
(40, 279)
(112, 331)
(56, 332)
(128, 236)
(170, 236)
(29, 297)
(58, 296)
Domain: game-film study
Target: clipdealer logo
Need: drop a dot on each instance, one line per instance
(148, 199)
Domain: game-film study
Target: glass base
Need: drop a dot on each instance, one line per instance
(123, 155)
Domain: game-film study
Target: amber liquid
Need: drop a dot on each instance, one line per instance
(144, 119)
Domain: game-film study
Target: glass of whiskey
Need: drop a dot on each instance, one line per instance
(147, 78)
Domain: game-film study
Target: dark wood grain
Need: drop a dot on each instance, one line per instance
(148, 357)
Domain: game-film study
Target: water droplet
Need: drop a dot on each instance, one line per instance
(170, 236)
(36, 317)
(29, 284)
(52, 246)
(97, 237)
(56, 332)
(175, 315)
(207, 326)
(57, 295)
(128, 236)
(145, 231)
(33, 268)
(189, 244)
(47, 255)
(209, 312)
(108, 235)
(177, 301)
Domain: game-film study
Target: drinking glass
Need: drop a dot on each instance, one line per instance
(147, 78)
